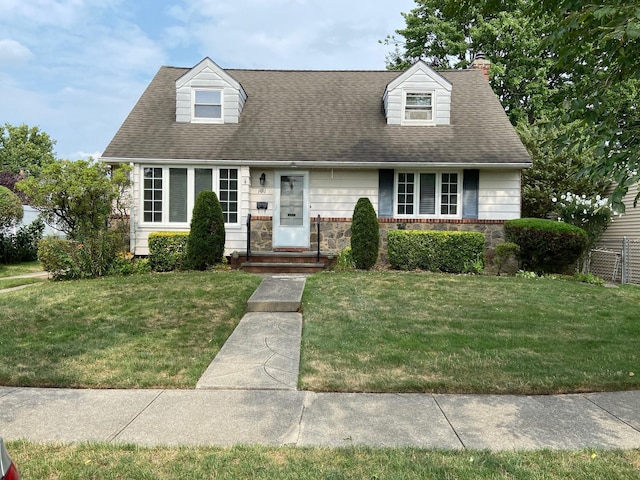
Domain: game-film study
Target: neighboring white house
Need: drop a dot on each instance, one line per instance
(617, 255)
(429, 149)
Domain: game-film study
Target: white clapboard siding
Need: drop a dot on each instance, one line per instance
(208, 75)
(499, 195)
(335, 193)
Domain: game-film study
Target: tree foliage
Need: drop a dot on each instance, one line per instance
(553, 173)
(447, 35)
(11, 210)
(598, 46)
(24, 148)
(205, 245)
(77, 196)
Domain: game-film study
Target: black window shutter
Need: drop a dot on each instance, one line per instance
(470, 193)
(385, 193)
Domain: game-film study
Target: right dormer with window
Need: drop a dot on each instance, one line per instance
(420, 96)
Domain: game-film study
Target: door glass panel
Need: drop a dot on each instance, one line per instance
(291, 200)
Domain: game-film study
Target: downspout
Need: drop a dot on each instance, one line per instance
(132, 209)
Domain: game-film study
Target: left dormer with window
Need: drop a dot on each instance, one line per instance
(208, 94)
(418, 97)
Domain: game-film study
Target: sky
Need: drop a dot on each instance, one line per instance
(75, 68)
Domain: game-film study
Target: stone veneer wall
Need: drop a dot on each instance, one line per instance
(335, 233)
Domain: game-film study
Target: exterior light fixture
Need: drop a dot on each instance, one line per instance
(263, 178)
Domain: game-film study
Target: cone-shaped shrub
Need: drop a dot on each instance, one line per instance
(365, 235)
(207, 236)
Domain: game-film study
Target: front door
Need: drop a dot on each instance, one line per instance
(291, 214)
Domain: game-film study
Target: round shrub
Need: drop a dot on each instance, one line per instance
(11, 210)
(205, 246)
(546, 246)
(365, 235)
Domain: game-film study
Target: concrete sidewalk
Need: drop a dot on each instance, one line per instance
(272, 417)
(248, 396)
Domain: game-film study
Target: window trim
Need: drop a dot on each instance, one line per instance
(195, 119)
(165, 223)
(438, 194)
(404, 120)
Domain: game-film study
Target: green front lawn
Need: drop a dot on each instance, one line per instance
(143, 331)
(20, 269)
(102, 461)
(421, 332)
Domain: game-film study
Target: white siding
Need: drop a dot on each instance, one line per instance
(628, 225)
(233, 96)
(332, 193)
(499, 195)
(335, 193)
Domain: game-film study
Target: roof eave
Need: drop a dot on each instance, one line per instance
(316, 164)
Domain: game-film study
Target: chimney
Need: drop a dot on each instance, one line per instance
(482, 64)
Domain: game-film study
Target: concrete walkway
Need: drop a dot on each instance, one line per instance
(248, 396)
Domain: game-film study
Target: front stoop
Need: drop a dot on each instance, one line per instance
(284, 262)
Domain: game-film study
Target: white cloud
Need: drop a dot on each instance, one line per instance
(329, 34)
(13, 51)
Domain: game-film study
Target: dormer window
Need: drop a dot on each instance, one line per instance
(418, 108)
(207, 105)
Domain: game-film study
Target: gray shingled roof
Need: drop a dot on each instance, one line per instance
(320, 117)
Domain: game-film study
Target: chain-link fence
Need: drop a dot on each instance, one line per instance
(616, 260)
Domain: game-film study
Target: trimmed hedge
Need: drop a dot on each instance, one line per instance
(365, 235)
(546, 246)
(167, 250)
(452, 252)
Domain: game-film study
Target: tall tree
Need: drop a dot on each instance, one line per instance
(24, 148)
(598, 45)
(447, 35)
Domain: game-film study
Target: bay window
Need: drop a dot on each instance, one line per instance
(169, 193)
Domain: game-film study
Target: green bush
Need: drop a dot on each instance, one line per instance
(504, 251)
(207, 236)
(58, 256)
(23, 245)
(453, 252)
(71, 259)
(128, 265)
(546, 246)
(365, 235)
(11, 211)
(167, 250)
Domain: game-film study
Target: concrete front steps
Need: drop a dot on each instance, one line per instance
(284, 262)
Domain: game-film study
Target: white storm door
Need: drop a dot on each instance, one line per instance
(291, 214)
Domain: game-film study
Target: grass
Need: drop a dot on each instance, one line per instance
(18, 282)
(419, 332)
(20, 269)
(143, 331)
(107, 461)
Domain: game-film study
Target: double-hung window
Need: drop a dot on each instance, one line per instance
(418, 108)
(169, 193)
(207, 105)
(428, 194)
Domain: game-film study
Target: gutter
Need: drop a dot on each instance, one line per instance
(314, 164)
